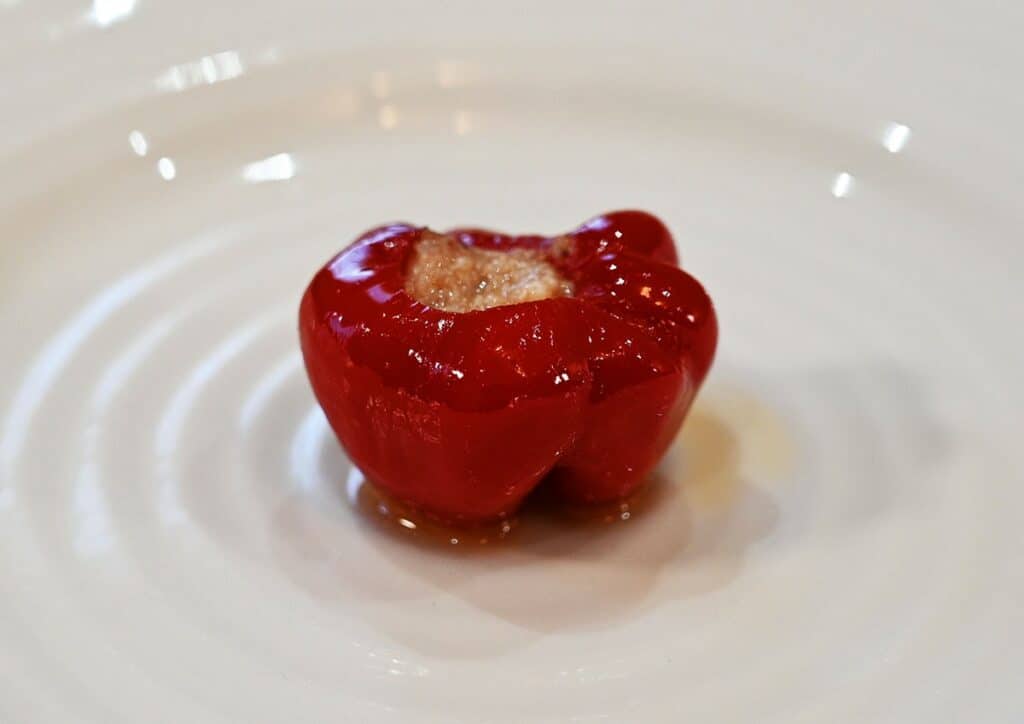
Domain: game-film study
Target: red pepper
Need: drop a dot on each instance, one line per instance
(463, 414)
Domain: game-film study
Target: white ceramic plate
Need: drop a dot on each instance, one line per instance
(837, 537)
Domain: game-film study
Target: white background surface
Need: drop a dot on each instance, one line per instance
(838, 536)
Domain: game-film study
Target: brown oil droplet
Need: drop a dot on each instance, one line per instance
(402, 520)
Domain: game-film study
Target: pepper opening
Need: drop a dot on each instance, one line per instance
(448, 275)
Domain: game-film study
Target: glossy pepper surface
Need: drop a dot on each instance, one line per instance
(462, 414)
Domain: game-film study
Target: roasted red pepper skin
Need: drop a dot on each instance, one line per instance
(463, 414)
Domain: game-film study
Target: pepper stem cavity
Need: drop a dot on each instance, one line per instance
(448, 275)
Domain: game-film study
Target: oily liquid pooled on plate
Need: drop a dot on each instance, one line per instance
(541, 513)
